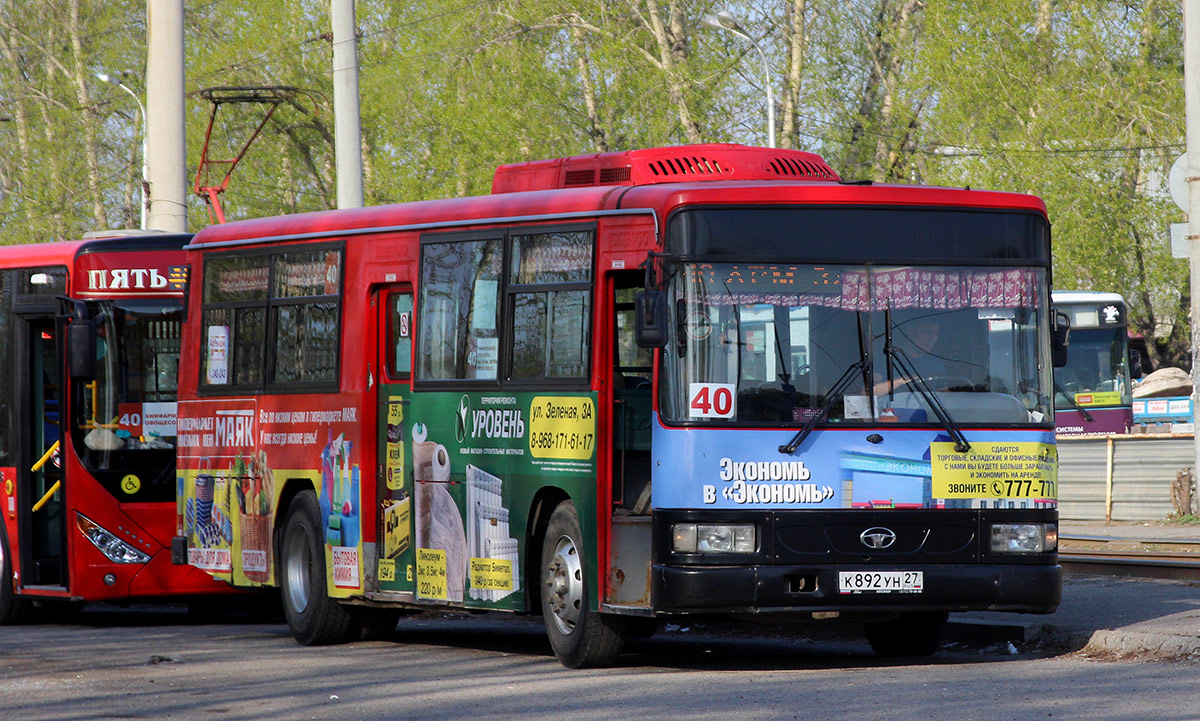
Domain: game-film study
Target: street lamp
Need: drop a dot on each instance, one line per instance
(106, 78)
(725, 21)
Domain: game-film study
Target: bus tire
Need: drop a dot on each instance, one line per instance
(580, 637)
(912, 634)
(13, 608)
(314, 618)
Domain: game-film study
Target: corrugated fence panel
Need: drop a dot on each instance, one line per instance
(1081, 474)
(1143, 470)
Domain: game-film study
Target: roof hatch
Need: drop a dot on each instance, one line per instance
(683, 163)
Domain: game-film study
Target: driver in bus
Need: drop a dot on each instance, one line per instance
(917, 342)
(923, 336)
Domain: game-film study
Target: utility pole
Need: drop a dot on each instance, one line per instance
(166, 163)
(1191, 96)
(347, 124)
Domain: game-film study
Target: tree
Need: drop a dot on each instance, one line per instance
(1077, 101)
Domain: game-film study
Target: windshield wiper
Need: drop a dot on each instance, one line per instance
(835, 392)
(898, 358)
(823, 410)
(1071, 399)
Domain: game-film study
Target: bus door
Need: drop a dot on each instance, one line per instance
(631, 408)
(395, 488)
(39, 474)
(631, 416)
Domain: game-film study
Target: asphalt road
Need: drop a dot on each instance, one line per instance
(155, 663)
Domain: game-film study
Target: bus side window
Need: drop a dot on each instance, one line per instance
(460, 286)
(399, 360)
(549, 286)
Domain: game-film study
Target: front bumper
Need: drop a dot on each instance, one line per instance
(785, 589)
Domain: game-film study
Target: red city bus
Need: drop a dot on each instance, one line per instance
(87, 421)
(629, 386)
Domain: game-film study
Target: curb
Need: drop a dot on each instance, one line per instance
(1144, 645)
(1123, 644)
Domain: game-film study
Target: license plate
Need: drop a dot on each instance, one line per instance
(881, 581)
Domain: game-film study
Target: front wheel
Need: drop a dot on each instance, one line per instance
(912, 634)
(314, 618)
(580, 637)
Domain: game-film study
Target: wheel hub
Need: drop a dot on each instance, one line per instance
(564, 585)
(297, 561)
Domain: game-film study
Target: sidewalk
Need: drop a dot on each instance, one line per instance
(1105, 616)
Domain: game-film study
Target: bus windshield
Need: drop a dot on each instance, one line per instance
(124, 420)
(1096, 372)
(772, 343)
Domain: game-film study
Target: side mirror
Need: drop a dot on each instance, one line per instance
(81, 349)
(1135, 363)
(650, 307)
(1060, 338)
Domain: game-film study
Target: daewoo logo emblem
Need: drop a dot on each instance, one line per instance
(877, 537)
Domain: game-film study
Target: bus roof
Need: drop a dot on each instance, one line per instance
(527, 191)
(64, 252)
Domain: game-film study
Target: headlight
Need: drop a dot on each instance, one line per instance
(1024, 537)
(112, 547)
(713, 538)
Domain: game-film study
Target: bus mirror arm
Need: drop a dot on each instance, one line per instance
(1060, 339)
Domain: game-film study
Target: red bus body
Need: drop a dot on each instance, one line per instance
(48, 556)
(254, 447)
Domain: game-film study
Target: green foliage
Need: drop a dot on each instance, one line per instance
(1077, 101)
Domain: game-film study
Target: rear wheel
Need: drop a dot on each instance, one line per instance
(13, 608)
(912, 634)
(314, 618)
(580, 637)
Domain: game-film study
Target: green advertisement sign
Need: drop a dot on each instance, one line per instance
(461, 472)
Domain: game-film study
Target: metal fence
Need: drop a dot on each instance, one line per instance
(1120, 477)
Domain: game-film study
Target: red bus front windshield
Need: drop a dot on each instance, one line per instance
(125, 418)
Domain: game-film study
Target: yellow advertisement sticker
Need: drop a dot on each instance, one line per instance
(387, 569)
(394, 452)
(491, 574)
(997, 469)
(562, 427)
(1098, 398)
(395, 412)
(397, 520)
(431, 573)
